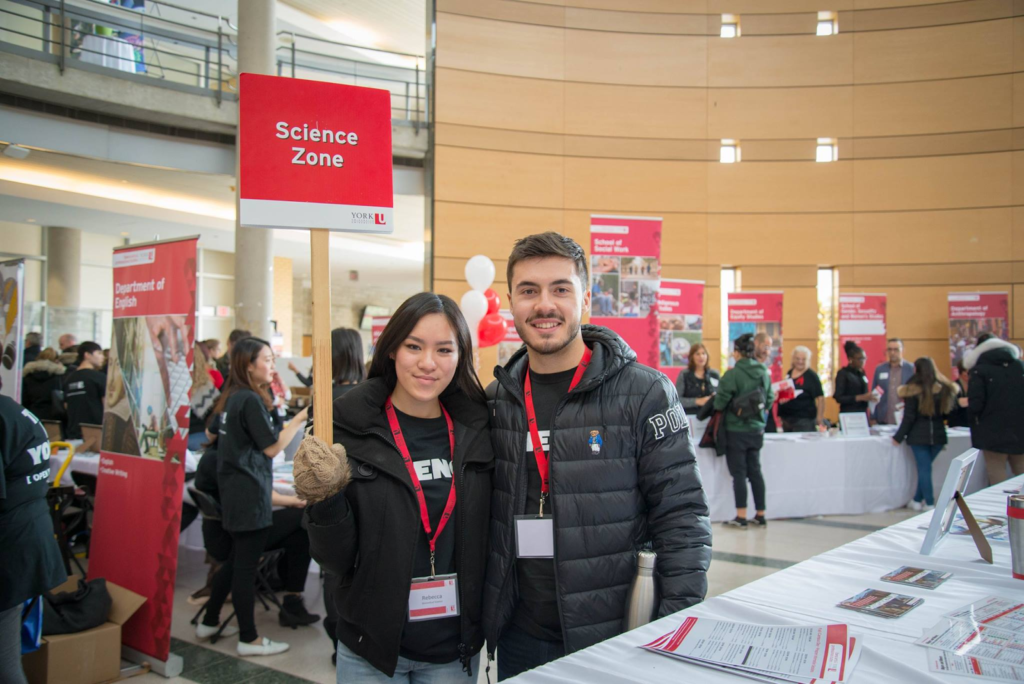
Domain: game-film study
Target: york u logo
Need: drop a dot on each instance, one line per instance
(379, 219)
(362, 215)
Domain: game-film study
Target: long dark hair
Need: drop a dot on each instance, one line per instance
(347, 356)
(401, 325)
(243, 353)
(925, 376)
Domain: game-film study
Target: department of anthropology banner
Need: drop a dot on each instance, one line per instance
(973, 313)
(681, 322)
(625, 270)
(862, 320)
(755, 312)
(145, 430)
(12, 332)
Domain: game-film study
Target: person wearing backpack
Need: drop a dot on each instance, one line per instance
(744, 393)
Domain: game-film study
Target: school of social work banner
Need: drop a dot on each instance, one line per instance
(755, 312)
(12, 334)
(973, 313)
(681, 321)
(145, 431)
(862, 320)
(625, 267)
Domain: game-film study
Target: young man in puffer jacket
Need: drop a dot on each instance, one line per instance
(557, 580)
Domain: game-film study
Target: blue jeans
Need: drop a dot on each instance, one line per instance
(518, 652)
(924, 454)
(355, 670)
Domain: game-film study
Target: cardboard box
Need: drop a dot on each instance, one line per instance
(87, 657)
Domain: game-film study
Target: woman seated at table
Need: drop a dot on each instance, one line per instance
(928, 397)
(851, 383)
(805, 411)
(699, 383)
(959, 417)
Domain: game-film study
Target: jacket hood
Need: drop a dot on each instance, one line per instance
(946, 398)
(48, 367)
(995, 350)
(68, 358)
(752, 368)
(363, 407)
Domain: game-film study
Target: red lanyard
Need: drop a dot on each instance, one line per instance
(543, 466)
(396, 430)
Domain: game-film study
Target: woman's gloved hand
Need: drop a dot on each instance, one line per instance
(320, 471)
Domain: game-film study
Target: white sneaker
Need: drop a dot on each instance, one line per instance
(916, 506)
(928, 507)
(265, 647)
(206, 631)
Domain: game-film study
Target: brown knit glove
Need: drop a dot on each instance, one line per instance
(320, 471)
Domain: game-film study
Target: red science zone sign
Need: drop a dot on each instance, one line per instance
(314, 155)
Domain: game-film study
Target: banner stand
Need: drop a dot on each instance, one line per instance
(172, 667)
(320, 270)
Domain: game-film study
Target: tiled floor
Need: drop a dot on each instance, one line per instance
(740, 557)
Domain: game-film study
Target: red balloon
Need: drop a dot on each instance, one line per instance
(493, 301)
(491, 330)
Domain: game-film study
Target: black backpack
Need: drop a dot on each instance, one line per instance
(752, 403)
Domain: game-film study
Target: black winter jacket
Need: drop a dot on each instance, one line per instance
(366, 535)
(995, 395)
(918, 429)
(642, 487)
(850, 383)
(690, 388)
(40, 379)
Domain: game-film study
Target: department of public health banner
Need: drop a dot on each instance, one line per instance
(12, 333)
(755, 312)
(145, 430)
(625, 273)
(973, 313)
(862, 320)
(681, 322)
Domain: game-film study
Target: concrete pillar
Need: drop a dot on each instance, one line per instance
(254, 254)
(64, 267)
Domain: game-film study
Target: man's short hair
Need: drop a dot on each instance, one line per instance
(896, 340)
(761, 337)
(238, 334)
(550, 244)
(33, 339)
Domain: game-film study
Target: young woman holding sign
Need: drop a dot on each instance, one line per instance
(399, 507)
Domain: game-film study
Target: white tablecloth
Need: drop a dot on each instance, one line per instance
(807, 594)
(833, 476)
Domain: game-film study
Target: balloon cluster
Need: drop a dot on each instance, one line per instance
(480, 305)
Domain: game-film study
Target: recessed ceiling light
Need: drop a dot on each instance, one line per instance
(31, 220)
(125, 234)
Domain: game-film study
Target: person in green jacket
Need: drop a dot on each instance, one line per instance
(744, 423)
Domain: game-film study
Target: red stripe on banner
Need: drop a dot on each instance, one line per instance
(1017, 513)
(421, 612)
(429, 585)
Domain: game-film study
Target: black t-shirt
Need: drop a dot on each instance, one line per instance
(804, 405)
(83, 392)
(244, 472)
(537, 611)
(30, 560)
(431, 641)
(206, 471)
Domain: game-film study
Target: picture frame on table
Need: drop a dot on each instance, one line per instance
(854, 425)
(946, 504)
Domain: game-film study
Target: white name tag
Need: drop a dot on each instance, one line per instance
(714, 382)
(433, 598)
(883, 376)
(535, 537)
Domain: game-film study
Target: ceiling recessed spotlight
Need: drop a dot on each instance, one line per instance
(125, 234)
(31, 220)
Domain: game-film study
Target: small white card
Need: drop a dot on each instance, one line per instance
(433, 598)
(854, 424)
(535, 537)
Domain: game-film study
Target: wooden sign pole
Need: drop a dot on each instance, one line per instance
(320, 268)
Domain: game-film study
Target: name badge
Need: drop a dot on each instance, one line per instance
(535, 537)
(883, 376)
(433, 598)
(714, 382)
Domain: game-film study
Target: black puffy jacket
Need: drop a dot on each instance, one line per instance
(40, 379)
(366, 535)
(917, 428)
(995, 396)
(643, 486)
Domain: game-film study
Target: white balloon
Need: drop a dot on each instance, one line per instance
(474, 308)
(480, 272)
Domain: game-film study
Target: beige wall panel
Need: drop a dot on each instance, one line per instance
(1017, 307)
(938, 350)
(1018, 100)
(815, 239)
(635, 111)
(799, 313)
(968, 274)
(933, 15)
(632, 58)
(619, 185)
(940, 52)
(500, 47)
(939, 145)
(506, 10)
(778, 277)
(1018, 43)
(636, 22)
(712, 314)
(780, 61)
(776, 6)
(463, 230)
(665, 6)
(801, 24)
(475, 99)
(929, 237)
(1017, 271)
(454, 268)
(684, 240)
(919, 313)
(453, 135)
(780, 113)
(780, 187)
(875, 4)
(683, 272)
(503, 178)
(970, 104)
(636, 148)
(1018, 233)
(1018, 177)
(981, 180)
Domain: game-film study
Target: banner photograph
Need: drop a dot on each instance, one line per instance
(681, 323)
(758, 312)
(862, 320)
(974, 313)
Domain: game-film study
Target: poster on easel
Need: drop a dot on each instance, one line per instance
(862, 321)
(680, 322)
(625, 274)
(145, 431)
(970, 315)
(757, 312)
(12, 340)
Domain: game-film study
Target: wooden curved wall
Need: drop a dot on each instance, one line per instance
(549, 111)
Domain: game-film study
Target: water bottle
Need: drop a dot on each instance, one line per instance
(1015, 523)
(642, 600)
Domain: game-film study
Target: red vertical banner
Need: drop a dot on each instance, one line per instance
(862, 320)
(145, 431)
(974, 313)
(377, 325)
(625, 274)
(681, 323)
(511, 342)
(756, 312)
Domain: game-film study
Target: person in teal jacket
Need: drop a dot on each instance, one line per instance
(744, 423)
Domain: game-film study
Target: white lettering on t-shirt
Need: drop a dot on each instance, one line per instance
(39, 453)
(434, 469)
(544, 434)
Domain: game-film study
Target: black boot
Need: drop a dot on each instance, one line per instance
(294, 614)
